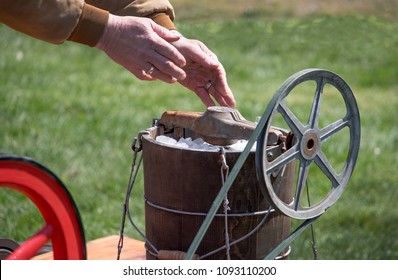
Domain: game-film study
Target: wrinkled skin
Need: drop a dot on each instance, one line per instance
(138, 43)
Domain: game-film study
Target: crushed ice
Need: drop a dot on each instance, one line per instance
(200, 144)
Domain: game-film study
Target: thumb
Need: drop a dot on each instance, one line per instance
(164, 33)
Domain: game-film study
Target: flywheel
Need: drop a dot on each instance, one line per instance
(324, 142)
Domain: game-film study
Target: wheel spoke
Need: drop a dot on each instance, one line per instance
(316, 105)
(333, 128)
(327, 168)
(283, 159)
(292, 121)
(302, 178)
(30, 247)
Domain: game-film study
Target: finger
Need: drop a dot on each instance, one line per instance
(230, 101)
(155, 74)
(212, 91)
(218, 97)
(141, 74)
(165, 33)
(204, 96)
(168, 50)
(222, 89)
(151, 69)
(152, 73)
(167, 67)
(224, 95)
(222, 99)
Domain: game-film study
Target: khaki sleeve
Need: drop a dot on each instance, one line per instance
(161, 11)
(77, 20)
(163, 19)
(95, 15)
(90, 27)
(47, 20)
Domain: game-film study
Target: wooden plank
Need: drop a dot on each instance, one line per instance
(105, 248)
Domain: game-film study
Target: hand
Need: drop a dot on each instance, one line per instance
(205, 75)
(143, 47)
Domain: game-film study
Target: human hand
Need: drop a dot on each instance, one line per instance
(205, 75)
(142, 47)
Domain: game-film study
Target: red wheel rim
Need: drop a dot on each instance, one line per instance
(56, 205)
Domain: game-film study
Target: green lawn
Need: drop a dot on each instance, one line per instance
(76, 112)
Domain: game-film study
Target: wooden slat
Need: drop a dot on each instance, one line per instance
(105, 248)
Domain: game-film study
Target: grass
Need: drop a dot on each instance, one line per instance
(71, 109)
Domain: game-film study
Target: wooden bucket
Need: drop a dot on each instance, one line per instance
(180, 186)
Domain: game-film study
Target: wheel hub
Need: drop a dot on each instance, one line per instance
(310, 144)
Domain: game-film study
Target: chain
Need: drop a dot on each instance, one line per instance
(313, 243)
(132, 178)
(225, 168)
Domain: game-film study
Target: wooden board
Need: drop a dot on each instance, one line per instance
(105, 248)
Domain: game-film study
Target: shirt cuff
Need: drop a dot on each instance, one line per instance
(162, 19)
(90, 26)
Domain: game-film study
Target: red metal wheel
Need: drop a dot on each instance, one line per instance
(62, 220)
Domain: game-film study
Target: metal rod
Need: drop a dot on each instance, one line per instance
(275, 252)
(228, 183)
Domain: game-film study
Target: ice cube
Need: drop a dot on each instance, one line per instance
(166, 140)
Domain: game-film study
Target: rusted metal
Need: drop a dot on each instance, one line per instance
(173, 255)
(218, 125)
